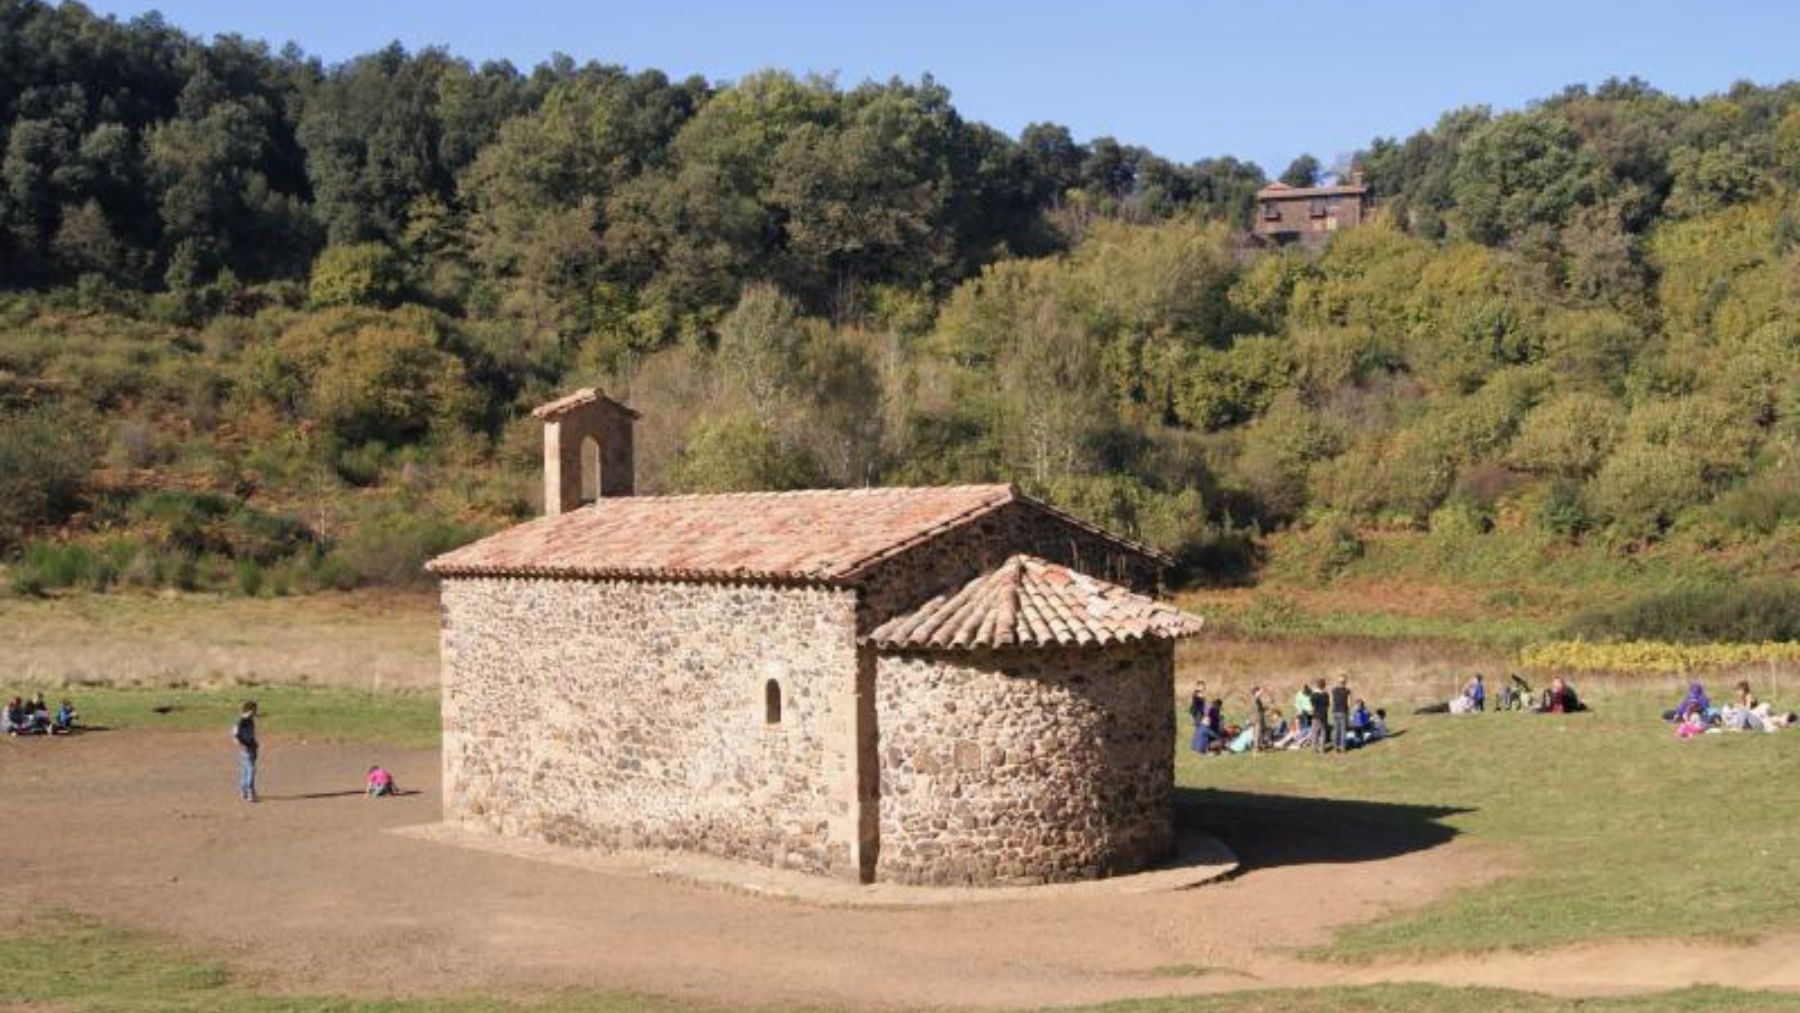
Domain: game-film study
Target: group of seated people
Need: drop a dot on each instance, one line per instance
(34, 717)
(1514, 695)
(1268, 728)
(1696, 715)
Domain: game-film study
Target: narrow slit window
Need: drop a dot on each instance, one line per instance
(590, 470)
(771, 702)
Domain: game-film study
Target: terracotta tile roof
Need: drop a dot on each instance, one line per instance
(819, 535)
(1030, 602)
(586, 395)
(1281, 191)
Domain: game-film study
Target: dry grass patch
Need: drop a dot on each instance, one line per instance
(361, 640)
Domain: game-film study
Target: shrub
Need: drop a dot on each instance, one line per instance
(1329, 546)
(364, 274)
(46, 456)
(1739, 613)
(1269, 615)
(184, 574)
(332, 572)
(392, 549)
(365, 375)
(1460, 519)
(208, 523)
(1223, 387)
(1764, 501)
(1562, 510)
(249, 577)
(48, 566)
(361, 466)
(1641, 488)
(1570, 435)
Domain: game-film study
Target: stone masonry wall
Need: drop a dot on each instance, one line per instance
(1024, 767)
(625, 714)
(959, 555)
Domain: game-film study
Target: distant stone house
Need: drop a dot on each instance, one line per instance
(914, 685)
(1309, 215)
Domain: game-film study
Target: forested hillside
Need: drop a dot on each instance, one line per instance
(273, 325)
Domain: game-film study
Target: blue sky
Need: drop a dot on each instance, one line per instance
(1187, 80)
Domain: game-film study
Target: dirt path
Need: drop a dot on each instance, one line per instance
(300, 889)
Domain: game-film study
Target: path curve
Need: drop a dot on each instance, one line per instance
(297, 890)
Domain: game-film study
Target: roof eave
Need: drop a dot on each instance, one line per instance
(452, 571)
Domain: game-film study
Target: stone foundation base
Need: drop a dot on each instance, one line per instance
(1200, 859)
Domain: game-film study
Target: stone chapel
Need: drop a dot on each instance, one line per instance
(948, 685)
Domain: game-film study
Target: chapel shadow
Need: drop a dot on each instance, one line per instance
(348, 793)
(1271, 831)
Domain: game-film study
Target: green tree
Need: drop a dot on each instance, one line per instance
(1302, 172)
(365, 375)
(1522, 169)
(741, 454)
(366, 274)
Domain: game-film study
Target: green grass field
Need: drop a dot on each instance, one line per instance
(74, 965)
(1610, 826)
(1606, 825)
(407, 719)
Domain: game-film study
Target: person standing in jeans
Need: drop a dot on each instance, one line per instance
(1340, 711)
(1321, 716)
(244, 732)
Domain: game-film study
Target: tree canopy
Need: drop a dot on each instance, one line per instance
(251, 273)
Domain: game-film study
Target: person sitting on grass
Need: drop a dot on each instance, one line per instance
(1748, 714)
(1475, 691)
(1745, 699)
(40, 715)
(1743, 714)
(1360, 720)
(1461, 703)
(21, 719)
(1209, 729)
(1292, 736)
(1515, 695)
(1378, 727)
(380, 782)
(64, 721)
(1559, 698)
(1695, 702)
(1278, 727)
(1690, 726)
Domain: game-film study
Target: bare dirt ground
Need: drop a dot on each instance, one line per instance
(300, 890)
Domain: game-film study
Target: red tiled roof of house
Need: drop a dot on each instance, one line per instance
(824, 535)
(1030, 602)
(1281, 191)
